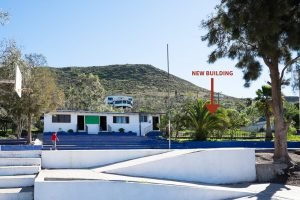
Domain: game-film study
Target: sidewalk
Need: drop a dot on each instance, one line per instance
(271, 191)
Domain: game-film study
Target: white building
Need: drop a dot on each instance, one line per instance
(119, 101)
(95, 122)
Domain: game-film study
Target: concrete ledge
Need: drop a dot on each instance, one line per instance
(20, 154)
(17, 181)
(72, 159)
(20, 161)
(94, 186)
(213, 166)
(16, 193)
(269, 171)
(18, 170)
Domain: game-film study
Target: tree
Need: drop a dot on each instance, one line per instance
(9, 57)
(40, 93)
(263, 103)
(249, 30)
(35, 60)
(178, 122)
(252, 113)
(202, 121)
(236, 120)
(86, 93)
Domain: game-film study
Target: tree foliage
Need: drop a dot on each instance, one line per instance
(250, 31)
(40, 93)
(87, 93)
(263, 103)
(202, 121)
(236, 119)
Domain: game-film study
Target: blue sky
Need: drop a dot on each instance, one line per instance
(105, 32)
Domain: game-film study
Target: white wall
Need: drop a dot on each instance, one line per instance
(93, 128)
(91, 158)
(132, 126)
(122, 190)
(215, 166)
(148, 126)
(49, 126)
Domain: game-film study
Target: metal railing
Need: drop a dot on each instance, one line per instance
(147, 129)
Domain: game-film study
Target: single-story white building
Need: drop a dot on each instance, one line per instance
(95, 122)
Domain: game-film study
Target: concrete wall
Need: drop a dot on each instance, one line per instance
(122, 190)
(91, 158)
(215, 166)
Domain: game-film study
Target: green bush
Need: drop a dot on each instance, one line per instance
(292, 130)
(70, 131)
(121, 130)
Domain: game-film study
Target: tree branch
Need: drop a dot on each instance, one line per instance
(268, 63)
(287, 65)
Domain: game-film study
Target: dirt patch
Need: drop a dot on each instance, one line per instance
(291, 176)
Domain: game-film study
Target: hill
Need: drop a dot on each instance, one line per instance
(147, 84)
(292, 99)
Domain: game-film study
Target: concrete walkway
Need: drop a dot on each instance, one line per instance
(270, 191)
(244, 191)
(172, 175)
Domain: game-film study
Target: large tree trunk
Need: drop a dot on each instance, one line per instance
(29, 136)
(269, 135)
(19, 124)
(18, 127)
(176, 134)
(280, 142)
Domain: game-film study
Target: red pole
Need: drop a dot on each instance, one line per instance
(212, 91)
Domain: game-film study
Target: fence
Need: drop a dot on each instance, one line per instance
(227, 135)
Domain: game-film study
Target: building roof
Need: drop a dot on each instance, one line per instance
(94, 112)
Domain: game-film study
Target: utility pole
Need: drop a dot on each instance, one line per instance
(168, 107)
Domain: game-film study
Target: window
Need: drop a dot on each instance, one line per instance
(143, 118)
(118, 102)
(120, 119)
(110, 98)
(61, 118)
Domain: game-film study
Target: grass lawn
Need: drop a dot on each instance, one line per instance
(293, 138)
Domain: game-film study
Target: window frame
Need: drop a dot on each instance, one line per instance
(124, 120)
(143, 117)
(61, 118)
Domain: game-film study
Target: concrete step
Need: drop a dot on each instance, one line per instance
(18, 170)
(25, 193)
(17, 181)
(21, 154)
(20, 161)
